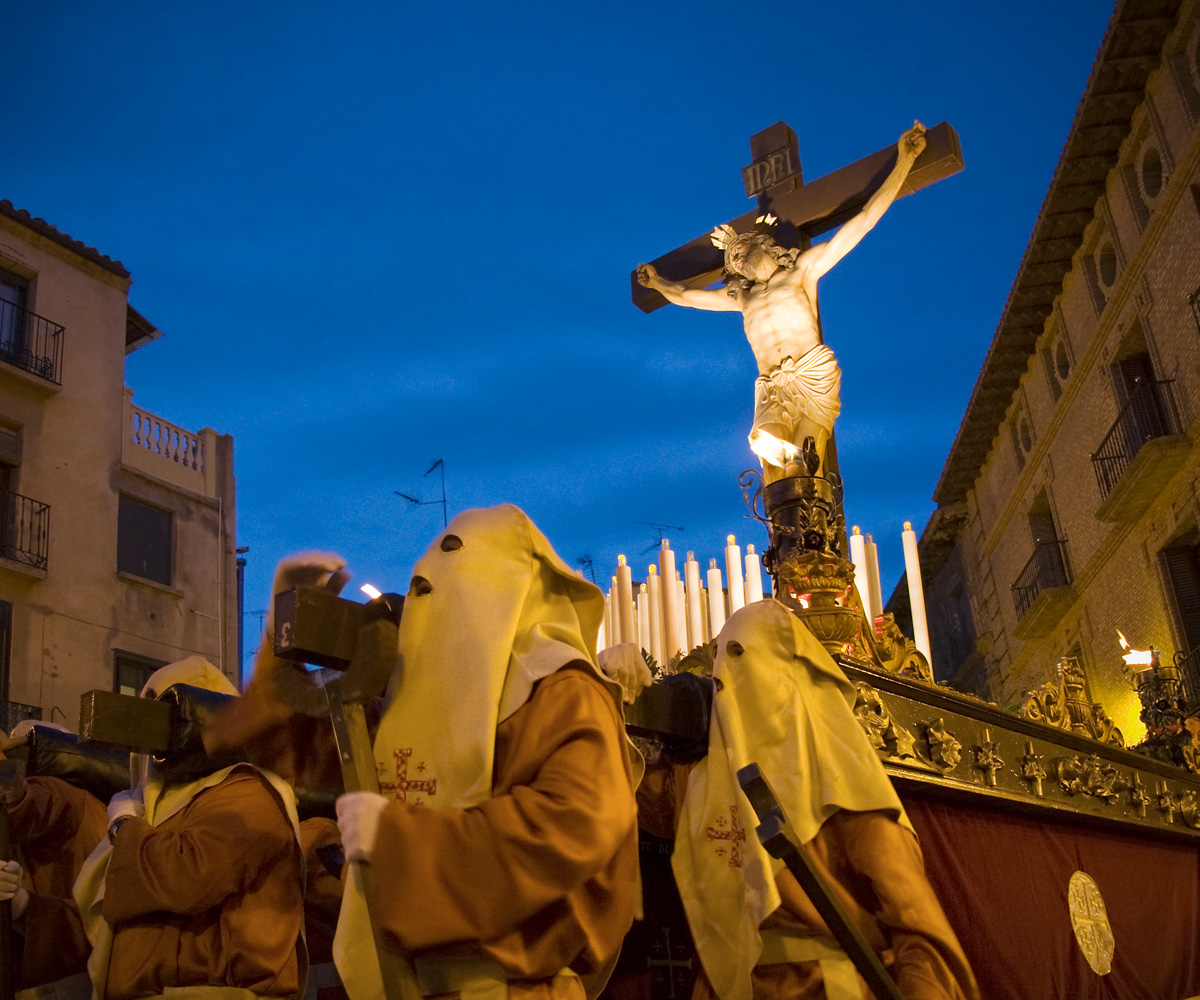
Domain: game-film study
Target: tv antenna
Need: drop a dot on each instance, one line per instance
(439, 464)
(585, 562)
(659, 530)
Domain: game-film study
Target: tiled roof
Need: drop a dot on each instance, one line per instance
(43, 228)
(1130, 50)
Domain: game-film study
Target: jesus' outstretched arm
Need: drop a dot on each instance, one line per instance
(713, 299)
(822, 257)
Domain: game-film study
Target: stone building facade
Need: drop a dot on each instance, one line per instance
(1068, 508)
(117, 547)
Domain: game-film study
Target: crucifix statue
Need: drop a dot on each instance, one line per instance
(774, 284)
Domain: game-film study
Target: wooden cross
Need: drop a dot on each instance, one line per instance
(735, 835)
(403, 785)
(775, 179)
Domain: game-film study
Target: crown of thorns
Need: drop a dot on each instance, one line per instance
(723, 237)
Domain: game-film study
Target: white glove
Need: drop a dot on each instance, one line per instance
(326, 570)
(11, 888)
(125, 804)
(625, 664)
(358, 819)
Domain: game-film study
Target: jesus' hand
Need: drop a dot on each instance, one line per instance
(913, 141)
(647, 276)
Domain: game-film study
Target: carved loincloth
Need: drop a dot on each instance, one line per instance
(795, 389)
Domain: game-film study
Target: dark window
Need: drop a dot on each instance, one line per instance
(1181, 564)
(131, 671)
(144, 540)
(12, 314)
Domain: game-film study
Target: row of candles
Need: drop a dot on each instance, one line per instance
(674, 611)
(864, 553)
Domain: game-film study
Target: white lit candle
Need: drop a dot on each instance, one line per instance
(716, 600)
(655, 625)
(754, 591)
(671, 639)
(601, 635)
(643, 618)
(862, 574)
(873, 585)
(623, 620)
(733, 573)
(691, 579)
(916, 591)
(681, 604)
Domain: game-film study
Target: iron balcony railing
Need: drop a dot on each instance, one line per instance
(1189, 669)
(1150, 413)
(24, 530)
(31, 342)
(12, 712)
(1047, 567)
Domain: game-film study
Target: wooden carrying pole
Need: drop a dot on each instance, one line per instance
(772, 833)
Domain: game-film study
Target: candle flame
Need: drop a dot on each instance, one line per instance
(712, 564)
(856, 531)
(730, 540)
(750, 549)
(691, 556)
(653, 570)
(908, 526)
(620, 560)
(371, 592)
(1135, 657)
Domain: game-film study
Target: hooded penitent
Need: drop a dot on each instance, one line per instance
(493, 610)
(161, 801)
(782, 703)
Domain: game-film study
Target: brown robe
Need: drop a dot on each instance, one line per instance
(543, 875)
(322, 888)
(54, 826)
(213, 895)
(876, 868)
(540, 877)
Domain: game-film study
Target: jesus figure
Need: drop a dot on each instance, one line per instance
(775, 289)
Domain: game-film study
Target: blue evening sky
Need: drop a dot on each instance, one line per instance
(379, 234)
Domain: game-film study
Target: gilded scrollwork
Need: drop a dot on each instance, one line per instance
(1064, 705)
(1089, 776)
(872, 714)
(898, 654)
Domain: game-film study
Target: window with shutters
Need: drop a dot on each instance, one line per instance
(144, 540)
(1181, 568)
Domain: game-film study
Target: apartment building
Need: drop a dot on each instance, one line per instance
(117, 528)
(1068, 506)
